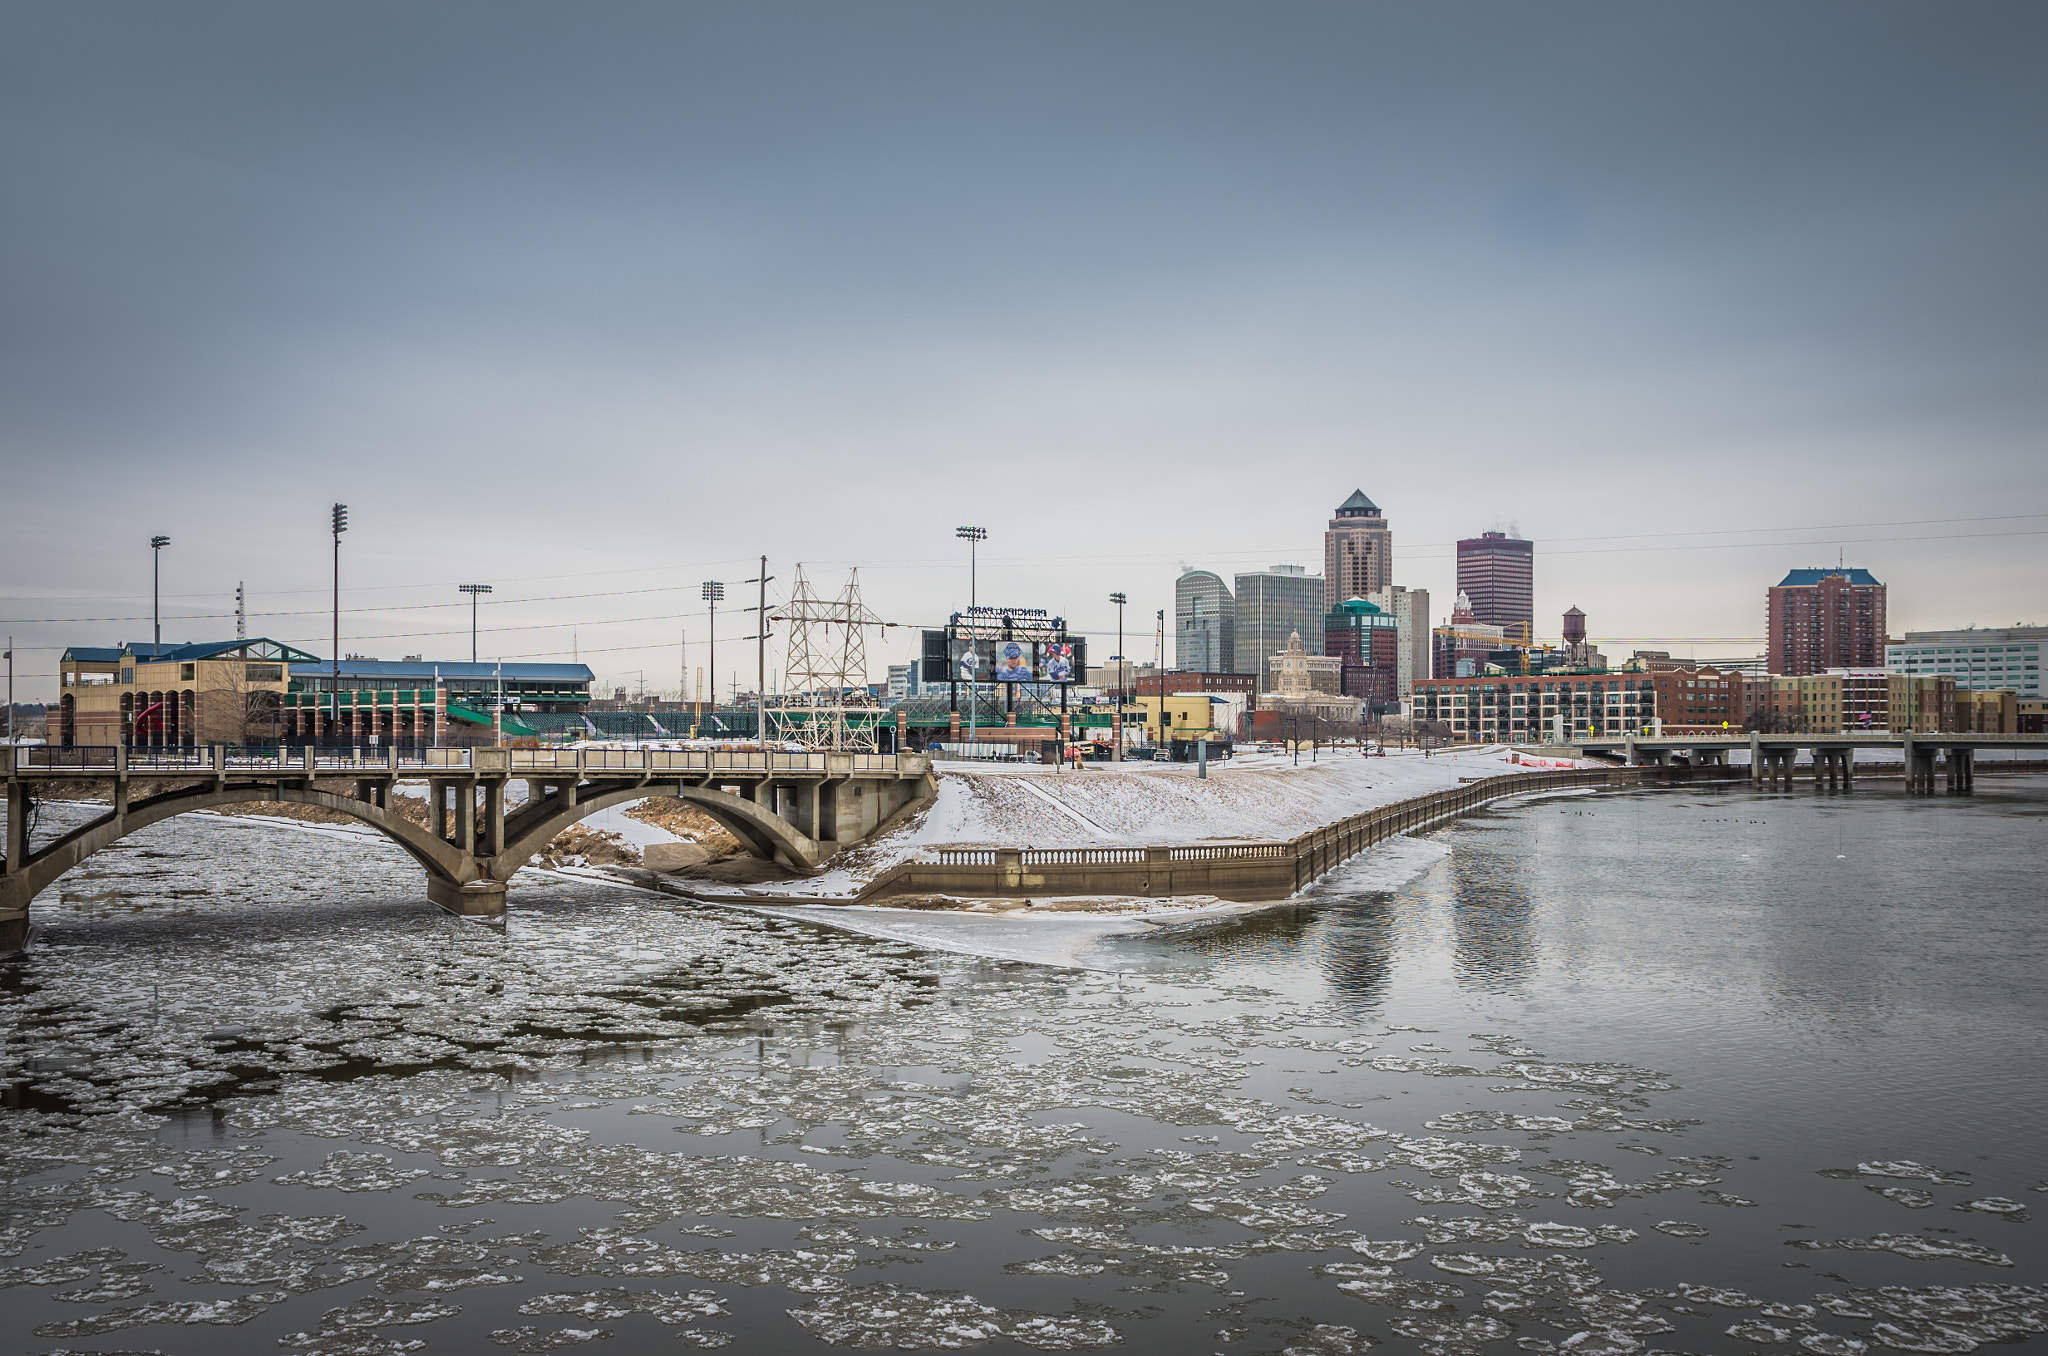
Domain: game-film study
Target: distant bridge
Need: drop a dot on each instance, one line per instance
(1834, 755)
(795, 808)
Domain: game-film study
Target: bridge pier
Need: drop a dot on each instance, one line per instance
(1920, 770)
(1962, 771)
(477, 899)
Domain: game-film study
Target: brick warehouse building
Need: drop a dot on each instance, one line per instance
(1823, 619)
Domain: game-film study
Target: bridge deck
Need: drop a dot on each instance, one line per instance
(32, 762)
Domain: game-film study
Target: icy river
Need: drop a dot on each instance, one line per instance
(1681, 1070)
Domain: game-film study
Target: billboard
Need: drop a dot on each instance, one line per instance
(971, 660)
(1014, 660)
(1027, 654)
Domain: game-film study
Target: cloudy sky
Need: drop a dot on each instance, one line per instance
(596, 302)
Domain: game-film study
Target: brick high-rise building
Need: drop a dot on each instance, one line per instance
(1358, 552)
(1826, 619)
(1498, 573)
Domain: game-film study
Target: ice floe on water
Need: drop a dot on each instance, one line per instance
(327, 1121)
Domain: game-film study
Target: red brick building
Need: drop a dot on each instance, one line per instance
(1826, 619)
(1174, 682)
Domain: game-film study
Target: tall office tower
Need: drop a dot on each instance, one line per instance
(1204, 624)
(1410, 610)
(1498, 573)
(1358, 552)
(1826, 619)
(1272, 605)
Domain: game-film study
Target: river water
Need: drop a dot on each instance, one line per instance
(1687, 1070)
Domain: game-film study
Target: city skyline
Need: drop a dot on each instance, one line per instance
(583, 310)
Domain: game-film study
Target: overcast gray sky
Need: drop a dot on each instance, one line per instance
(595, 302)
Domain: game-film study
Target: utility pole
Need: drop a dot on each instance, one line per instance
(11, 740)
(712, 591)
(973, 536)
(156, 575)
(473, 590)
(334, 697)
(761, 656)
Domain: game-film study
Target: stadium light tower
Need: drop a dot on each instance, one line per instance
(156, 575)
(472, 590)
(973, 536)
(713, 593)
(334, 697)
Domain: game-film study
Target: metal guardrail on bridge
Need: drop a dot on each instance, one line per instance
(220, 759)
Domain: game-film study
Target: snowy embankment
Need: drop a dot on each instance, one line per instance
(1257, 796)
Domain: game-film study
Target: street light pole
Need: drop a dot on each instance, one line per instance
(1123, 675)
(334, 696)
(156, 575)
(472, 590)
(973, 536)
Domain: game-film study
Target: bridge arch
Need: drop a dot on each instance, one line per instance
(443, 862)
(765, 834)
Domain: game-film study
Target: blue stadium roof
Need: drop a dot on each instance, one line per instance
(257, 647)
(425, 669)
(1802, 578)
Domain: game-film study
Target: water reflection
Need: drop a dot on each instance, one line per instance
(1358, 951)
(1492, 916)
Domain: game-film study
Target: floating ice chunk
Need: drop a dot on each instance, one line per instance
(1329, 1339)
(1909, 1245)
(890, 1316)
(1899, 1168)
(1726, 1299)
(1997, 1205)
(1833, 1344)
(1757, 1331)
(1910, 1197)
(222, 1313)
(1680, 1229)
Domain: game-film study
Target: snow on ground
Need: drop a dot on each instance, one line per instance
(1258, 796)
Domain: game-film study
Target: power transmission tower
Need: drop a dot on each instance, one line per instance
(828, 705)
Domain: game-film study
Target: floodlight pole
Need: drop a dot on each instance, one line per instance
(973, 536)
(156, 575)
(1123, 672)
(472, 590)
(334, 696)
(711, 592)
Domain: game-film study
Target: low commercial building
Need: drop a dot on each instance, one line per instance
(173, 696)
(1987, 659)
(1173, 682)
(1697, 700)
(1499, 708)
(1187, 715)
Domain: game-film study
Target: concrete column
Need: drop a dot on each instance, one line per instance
(17, 827)
(465, 805)
(1116, 731)
(437, 809)
(494, 818)
(1756, 757)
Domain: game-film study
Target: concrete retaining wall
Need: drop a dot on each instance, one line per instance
(1246, 871)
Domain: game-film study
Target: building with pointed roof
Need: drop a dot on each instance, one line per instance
(1358, 552)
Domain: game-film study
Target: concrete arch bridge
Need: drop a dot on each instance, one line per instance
(795, 808)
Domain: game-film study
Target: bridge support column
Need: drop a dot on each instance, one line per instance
(1756, 758)
(494, 819)
(437, 809)
(478, 899)
(1962, 771)
(465, 805)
